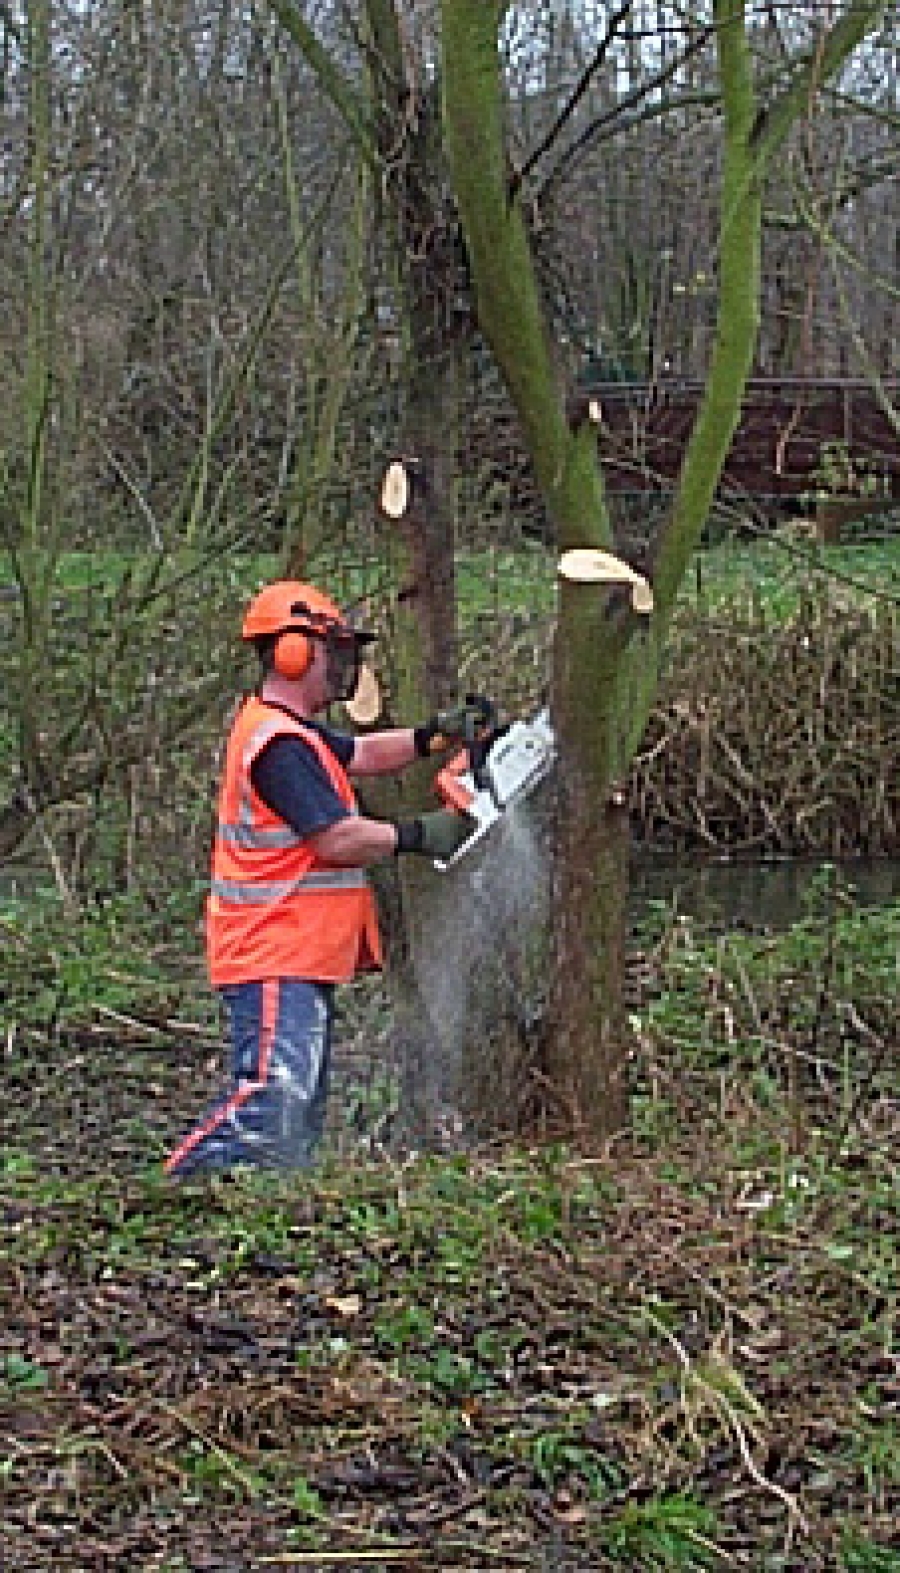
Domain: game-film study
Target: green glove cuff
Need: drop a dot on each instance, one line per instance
(437, 835)
(409, 836)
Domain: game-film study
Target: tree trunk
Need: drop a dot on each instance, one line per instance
(584, 1041)
(425, 1088)
(587, 1044)
(425, 644)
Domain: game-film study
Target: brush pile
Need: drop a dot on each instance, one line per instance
(776, 738)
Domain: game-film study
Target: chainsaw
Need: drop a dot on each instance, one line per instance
(493, 772)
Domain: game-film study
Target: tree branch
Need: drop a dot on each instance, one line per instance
(568, 110)
(822, 62)
(510, 312)
(620, 111)
(737, 323)
(333, 83)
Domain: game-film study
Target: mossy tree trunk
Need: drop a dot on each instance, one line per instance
(606, 662)
(415, 222)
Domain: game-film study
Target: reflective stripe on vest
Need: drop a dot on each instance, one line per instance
(246, 836)
(259, 895)
(243, 833)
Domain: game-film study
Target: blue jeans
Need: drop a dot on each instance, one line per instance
(274, 1114)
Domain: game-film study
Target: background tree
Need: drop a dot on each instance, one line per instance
(147, 263)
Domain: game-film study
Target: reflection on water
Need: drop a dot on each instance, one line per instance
(758, 895)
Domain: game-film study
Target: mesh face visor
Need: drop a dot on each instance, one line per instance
(343, 648)
(343, 655)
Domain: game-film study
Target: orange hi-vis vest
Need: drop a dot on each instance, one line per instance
(276, 910)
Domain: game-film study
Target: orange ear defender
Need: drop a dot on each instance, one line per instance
(296, 613)
(292, 655)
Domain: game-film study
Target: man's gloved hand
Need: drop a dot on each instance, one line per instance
(461, 723)
(437, 835)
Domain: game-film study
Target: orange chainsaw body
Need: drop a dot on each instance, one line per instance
(453, 783)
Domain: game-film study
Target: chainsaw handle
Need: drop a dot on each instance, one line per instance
(481, 719)
(479, 750)
(449, 785)
(473, 718)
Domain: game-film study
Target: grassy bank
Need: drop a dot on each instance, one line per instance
(678, 1354)
(774, 569)
(775, 731)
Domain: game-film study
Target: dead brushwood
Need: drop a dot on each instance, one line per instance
(786, 743)
(768, 737)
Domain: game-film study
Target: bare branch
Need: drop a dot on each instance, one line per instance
(629, 102)
(566, 113)
(332, 81)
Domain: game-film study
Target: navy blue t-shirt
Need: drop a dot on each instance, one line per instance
(293, 784)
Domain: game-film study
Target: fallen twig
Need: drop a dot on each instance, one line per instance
(384, 1554)
(726, 1410)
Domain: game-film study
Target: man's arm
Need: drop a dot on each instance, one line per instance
(289, 777)
(356, 842)
(381, 753)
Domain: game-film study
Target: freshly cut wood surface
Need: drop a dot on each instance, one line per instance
(588, 565)
(365, 706)
(395, 490)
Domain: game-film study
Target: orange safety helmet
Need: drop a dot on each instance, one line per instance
(293, 613)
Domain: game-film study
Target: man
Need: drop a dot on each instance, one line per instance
(290, 913)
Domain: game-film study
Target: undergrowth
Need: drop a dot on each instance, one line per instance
(677, 1353)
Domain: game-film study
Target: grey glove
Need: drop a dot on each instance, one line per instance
(437, 835)
(460, 723)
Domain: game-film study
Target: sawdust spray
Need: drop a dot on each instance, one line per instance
(474, 957)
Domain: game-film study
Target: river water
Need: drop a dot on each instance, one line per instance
(759, 894)
(716, 893)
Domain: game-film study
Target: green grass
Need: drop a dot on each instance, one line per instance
(861, 1555)
(774, 571)
(664, 1535)
(545, 1350)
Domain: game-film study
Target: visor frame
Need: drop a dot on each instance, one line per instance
(317, 625)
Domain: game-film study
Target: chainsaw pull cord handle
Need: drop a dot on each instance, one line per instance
(479, 750)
